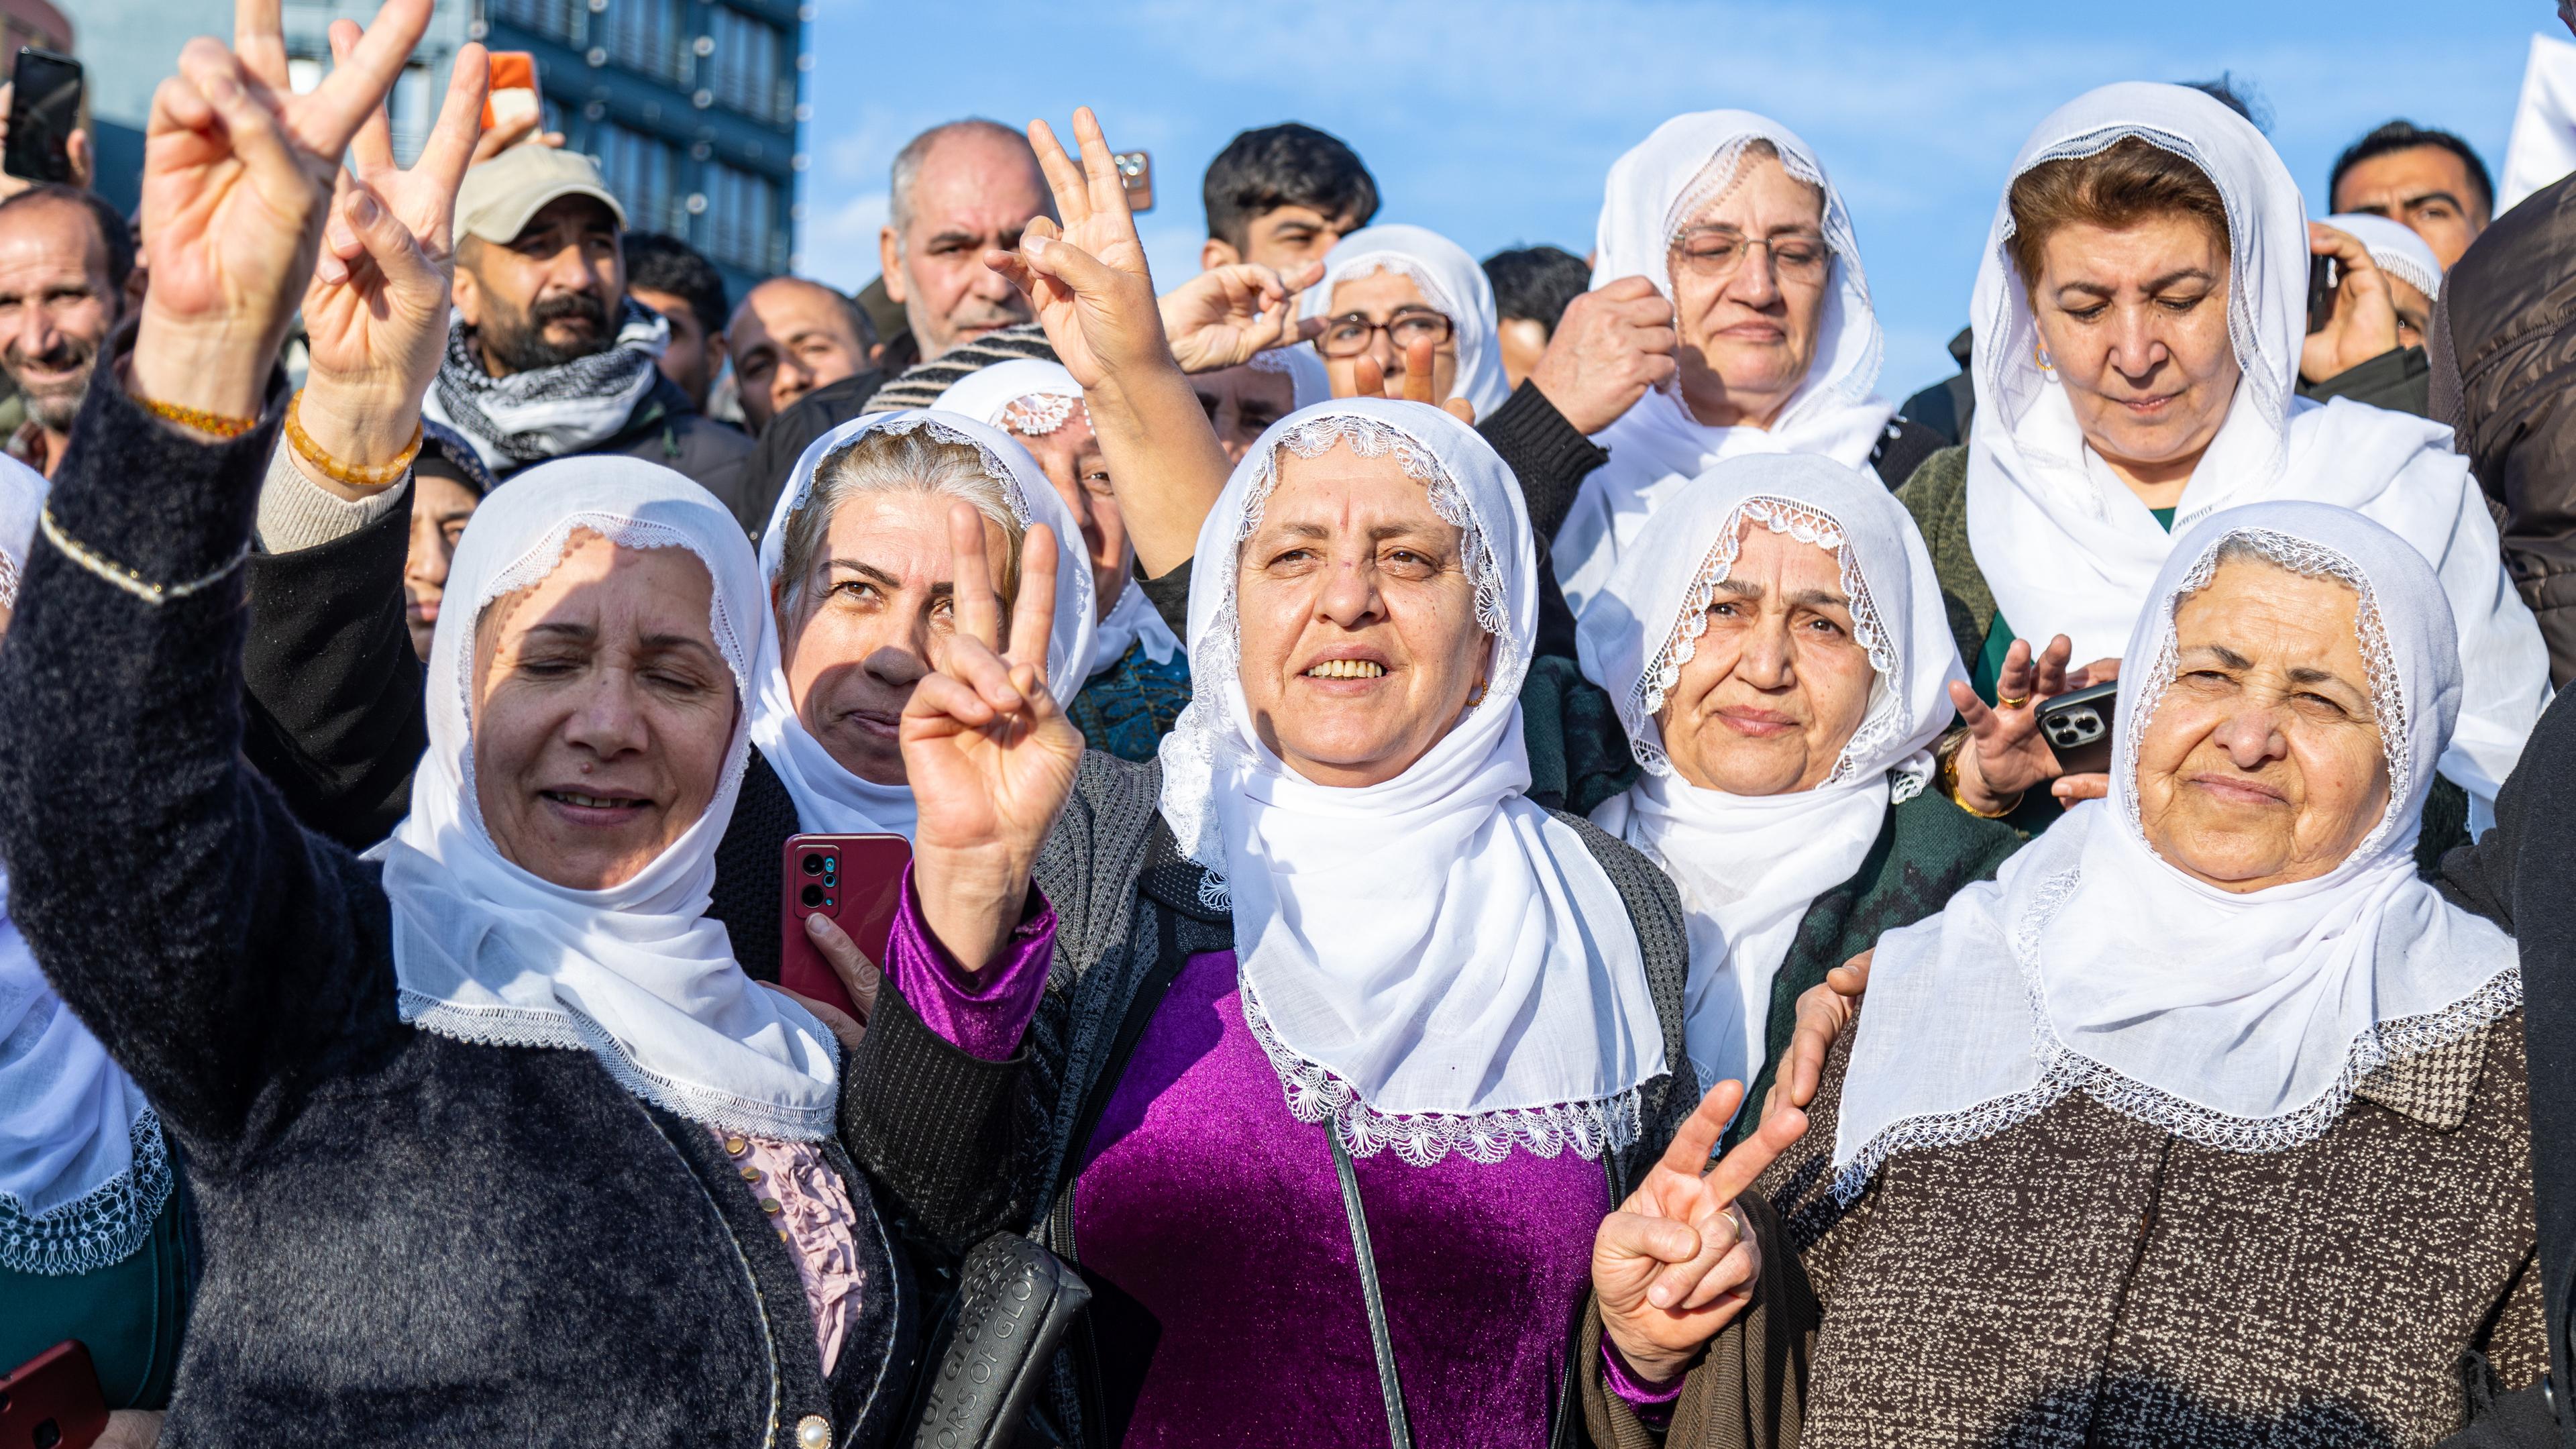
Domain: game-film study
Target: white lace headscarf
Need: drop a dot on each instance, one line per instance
(1656, 448)
(1030, 397)
(2068, 549)
(2395, 249)
(2090, 964)
(829, 797)
(1452, 284)
(1433, 963)
(637, 975)
(83, 1169)
(1748, 866)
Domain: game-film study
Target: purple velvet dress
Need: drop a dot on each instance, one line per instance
(1209, 1221)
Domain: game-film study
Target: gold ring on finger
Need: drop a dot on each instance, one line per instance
(2017, 701)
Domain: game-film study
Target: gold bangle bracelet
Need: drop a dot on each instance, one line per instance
(1950, 787)
(355, 475)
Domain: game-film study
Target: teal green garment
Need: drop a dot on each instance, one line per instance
(127, 1314)
(1127, 708)
(1999, 637)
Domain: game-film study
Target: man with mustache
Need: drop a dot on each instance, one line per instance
(65, 256)
(547, 357)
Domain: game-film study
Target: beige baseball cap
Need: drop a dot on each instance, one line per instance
(500, 195)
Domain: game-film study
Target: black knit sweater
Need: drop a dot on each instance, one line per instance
(409, 1239)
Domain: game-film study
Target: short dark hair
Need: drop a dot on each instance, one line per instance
(1284, 165)
(112, 230)
(1536, 283)
(661, 263)
(2405, 135)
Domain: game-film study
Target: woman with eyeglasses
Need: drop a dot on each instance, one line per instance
(1390, 290)
(1734, 221)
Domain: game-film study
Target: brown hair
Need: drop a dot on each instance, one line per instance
(885, 461)
(2127, 183)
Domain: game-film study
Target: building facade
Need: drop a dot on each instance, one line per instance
(691, 107)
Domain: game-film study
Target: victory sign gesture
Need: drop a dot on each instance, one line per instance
(989, 752)
(237, 178)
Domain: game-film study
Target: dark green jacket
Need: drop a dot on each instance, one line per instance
(1926, 851)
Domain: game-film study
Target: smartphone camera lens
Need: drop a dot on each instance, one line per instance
(812, 897)
(814, 862)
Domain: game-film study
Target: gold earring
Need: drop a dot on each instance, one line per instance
(1476, 696)
(2039, 356)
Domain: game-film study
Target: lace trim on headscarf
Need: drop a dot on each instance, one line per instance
(572, 1031)
(8, 582)
(1039, 413)
(1316, 1095)
(105, 1225)
(2062, 1070)
(1221, 649)
(1807, 524)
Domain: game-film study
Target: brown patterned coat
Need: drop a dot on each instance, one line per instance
(2086, 1279)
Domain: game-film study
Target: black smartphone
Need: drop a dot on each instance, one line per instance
(44, 109)
(2077, 726)
(2324, 275)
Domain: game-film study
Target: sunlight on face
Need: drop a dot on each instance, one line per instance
(602, 712)
(1360, 641)
(2135, 323)
(2263, 764)
(1749, 332)
(1778, 684)
(874, 616)
(1379, 297)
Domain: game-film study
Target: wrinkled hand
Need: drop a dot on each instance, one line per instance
(2005, 754)
(375, 315)
(1362, 377)
(990, 754)
(1608, 349)
(83, 157)
(1086, 280)
(858, 976)
(2364, 324)
(237, 178)
(1224, 315)
(1675, 1263)
(1823, 1013)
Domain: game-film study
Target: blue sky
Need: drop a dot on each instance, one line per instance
(1494, 121)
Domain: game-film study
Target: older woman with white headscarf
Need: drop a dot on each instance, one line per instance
(1733, 219)
(1778, 655)
(2139, 315)
(498, 1094)
(1137, 680)
(855, 564)
(1388, 288)
(2204, 1123)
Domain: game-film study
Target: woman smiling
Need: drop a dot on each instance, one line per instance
(2205, 1123)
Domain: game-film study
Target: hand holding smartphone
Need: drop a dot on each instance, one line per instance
(2077, 726)
(857, 882)
(52, 1401)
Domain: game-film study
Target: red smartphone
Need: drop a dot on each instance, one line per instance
(857, 880)
(52, 1401)
(513, 96)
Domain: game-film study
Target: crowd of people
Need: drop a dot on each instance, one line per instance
(1579, 926)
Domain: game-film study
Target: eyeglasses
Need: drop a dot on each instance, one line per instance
(1349, 335)
(1715, 252)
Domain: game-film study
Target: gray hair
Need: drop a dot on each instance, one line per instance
(885, 461)
(907, 165)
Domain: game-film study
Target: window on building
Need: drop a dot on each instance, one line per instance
(746, 67)
(648, 36)
(558, 18)
(645, 174)
(742, 220)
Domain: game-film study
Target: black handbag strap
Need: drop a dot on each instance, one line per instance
(1398, 1432)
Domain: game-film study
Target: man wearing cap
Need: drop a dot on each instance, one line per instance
(547, 357)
